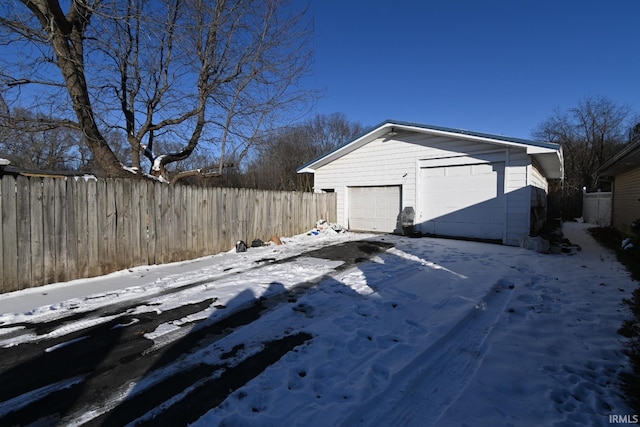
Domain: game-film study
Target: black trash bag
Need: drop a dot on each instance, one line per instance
(241, 246)
(257, 243)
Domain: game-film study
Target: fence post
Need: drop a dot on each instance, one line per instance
(9, 235)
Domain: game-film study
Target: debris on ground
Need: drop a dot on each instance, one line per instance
(241, 246)
(551, 242)
(257, 243)
(324, 227)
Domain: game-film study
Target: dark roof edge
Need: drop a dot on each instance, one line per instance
(550, 145)
(631, 146)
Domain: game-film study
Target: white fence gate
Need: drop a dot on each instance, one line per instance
(596, 208)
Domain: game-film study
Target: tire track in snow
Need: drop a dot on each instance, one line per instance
(425, 388)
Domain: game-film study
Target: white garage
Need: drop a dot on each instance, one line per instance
(374, 208)
(453, 182)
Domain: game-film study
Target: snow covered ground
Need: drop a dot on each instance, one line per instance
(431, 332)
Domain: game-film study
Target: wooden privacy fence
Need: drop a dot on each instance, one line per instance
(62, 229)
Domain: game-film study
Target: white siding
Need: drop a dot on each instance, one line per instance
(539, 190)
(538, 180)
(396, 162)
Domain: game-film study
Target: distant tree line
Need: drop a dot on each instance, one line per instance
(270, 163)
(590, 133)
(278, 156)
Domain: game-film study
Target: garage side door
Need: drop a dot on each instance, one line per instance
(374, 208)
(463, 200)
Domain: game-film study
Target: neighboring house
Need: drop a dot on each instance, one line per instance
(624, 170)
(454, 182)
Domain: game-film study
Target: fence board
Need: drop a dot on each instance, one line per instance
(193, 212)
(127, 244)
(141, 221)
(24, 232)
(177, 229)
(244, 210)
(49, 231)
(220, 218)
(143, 258)
(157, 213)
(37, 232)
(165, 229)
(71, 237)
(118, 190)
(101, 216)
(122, 236)
(134, 227)
(9, 235)
(276, 213)
(81, 227)
(108, 227)
(92, 228)
(60, 229)
(197, 226)
(150, 223)
(185, 222)
(210, 229)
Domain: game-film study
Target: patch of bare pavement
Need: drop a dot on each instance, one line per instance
(111, 374)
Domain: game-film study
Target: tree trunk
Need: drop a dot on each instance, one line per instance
(69, 49)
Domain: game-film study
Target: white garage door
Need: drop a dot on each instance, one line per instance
(374, 208)
(463, 200)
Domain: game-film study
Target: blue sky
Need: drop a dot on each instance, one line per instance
(496, 66)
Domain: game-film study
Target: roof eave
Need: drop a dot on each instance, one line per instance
(626, 159)
(305, 169)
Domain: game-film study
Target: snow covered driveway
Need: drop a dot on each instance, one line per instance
(344, 329)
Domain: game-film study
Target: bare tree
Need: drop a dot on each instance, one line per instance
(589, 134)
(282, 152)
(168, 74)
(28, 146)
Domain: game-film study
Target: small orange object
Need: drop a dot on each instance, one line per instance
(275, 239)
